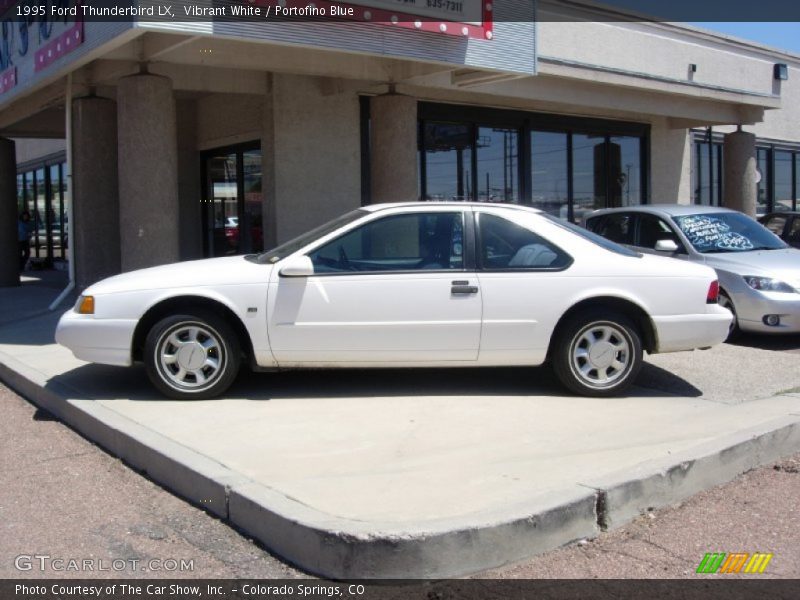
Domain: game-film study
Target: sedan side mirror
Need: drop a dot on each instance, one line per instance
(297, 266)
(666, 246)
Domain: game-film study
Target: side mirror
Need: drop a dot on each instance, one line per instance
(666, 246)
(297, 266)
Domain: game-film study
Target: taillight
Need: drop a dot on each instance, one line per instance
(713, 293)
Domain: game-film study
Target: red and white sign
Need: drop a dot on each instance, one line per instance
(8, 79)
(434, 16)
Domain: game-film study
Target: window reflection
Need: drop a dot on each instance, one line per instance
(783, 181)
(549, 172)
(588, 174)
(448, 156)
(498, 166)
(624, 158)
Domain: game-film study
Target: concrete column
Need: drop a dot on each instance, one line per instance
(9, 248)
(268, 169)
(191, 233)
(739, 167)
(148, 172)
(393, 148)
(95, 190)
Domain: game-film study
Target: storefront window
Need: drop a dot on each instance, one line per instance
(624, 165)
(549, 172)
(498, 165)
(447, 149)
(784, 192)
(232, 205)
(252, 216)
(588, 174)
(40, 217)
(20, 193)
(565, 166)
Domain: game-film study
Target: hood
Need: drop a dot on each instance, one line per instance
(783, 264)
(228, 270)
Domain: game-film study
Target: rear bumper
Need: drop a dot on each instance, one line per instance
(686, 332)
(105, 341)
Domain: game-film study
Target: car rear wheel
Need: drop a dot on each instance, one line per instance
(598, 354)
(726, 302)
(192, 356)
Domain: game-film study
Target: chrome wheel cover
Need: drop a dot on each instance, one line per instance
(190, 356)
(601, 354)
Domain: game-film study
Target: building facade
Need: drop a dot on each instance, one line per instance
(205, 138)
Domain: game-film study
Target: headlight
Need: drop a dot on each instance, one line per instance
(85, 305)
(767, 284)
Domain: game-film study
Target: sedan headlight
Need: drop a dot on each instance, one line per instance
(767, 284)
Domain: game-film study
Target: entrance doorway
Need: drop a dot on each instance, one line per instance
(232, 200)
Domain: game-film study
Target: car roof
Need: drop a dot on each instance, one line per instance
(451, 204)
(671, 210)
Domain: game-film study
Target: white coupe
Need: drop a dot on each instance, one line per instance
(404, 285)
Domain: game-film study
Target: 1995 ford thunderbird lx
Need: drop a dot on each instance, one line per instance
(404, 285)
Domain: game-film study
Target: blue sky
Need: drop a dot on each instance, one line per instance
(785, 36)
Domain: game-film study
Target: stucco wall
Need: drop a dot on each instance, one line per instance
(226, 119)
(31, 149)
(317, 151)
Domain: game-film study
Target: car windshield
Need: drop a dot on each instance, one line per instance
(593, 237)
(292, 246)
(726, 232)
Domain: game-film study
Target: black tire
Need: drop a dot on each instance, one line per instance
(583, 375)
(207, 340)
(726, 302)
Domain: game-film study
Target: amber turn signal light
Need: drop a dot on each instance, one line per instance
(86, 305)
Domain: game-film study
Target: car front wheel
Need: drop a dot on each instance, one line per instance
(192, 356)
(726, 302)
(598, 354)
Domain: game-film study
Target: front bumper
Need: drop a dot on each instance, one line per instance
(687, 332)
(105, 341)
(752, 306)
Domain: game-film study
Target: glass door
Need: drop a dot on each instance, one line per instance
(232, 221)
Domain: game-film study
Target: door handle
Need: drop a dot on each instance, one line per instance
(464, 289)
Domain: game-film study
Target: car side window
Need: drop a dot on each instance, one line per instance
(428, 241)
(776, 225)
(615, 227)
(793, 235)
(507, 246)
(652, 229)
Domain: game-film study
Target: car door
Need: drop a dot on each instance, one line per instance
(393, 290)
(521, 275)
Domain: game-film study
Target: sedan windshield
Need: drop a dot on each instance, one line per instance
(292, 246)
(726, 232)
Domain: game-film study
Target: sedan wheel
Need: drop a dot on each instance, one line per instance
(726, 302)
(598, 354)
(192, 356)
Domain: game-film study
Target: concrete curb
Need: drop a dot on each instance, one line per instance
(655, 484)
(348, 549)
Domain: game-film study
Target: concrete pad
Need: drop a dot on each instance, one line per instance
(419, 473)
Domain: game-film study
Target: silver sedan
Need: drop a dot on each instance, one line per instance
(759, 274)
